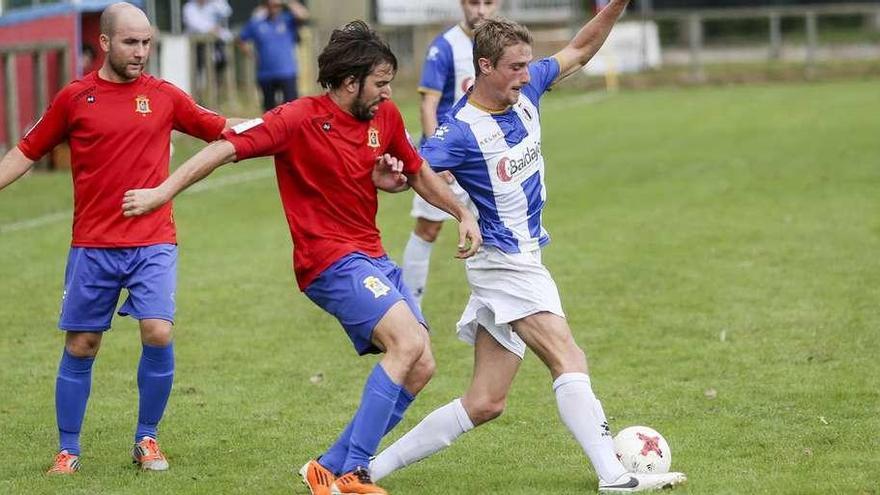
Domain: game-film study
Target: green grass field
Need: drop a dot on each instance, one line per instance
(717, 254)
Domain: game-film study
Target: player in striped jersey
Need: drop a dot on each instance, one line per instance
(491, 142)
(447, 74)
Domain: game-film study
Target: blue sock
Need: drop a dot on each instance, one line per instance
(155, 376)
(369, 423)
(403, 401)
(72, 389)
(334, 458)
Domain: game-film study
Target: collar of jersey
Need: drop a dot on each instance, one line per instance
(487, 110)
(130, 84)
(467, 31)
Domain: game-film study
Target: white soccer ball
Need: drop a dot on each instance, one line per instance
(642, 450)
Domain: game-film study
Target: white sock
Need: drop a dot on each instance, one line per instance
(434, 433)
(582, 413)
(416, 259)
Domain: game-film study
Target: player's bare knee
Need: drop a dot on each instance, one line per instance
(484, 409)
(156, 333)
(426, 365)
(422, 372)
(407, 348)
(428, 230)
(83, 344)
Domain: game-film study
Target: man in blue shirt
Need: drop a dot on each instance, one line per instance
(273, 31)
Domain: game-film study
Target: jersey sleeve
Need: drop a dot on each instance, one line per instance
(438, 66)
(192, 118)
(445, 149)
(401, 145)
(542, 73)
(264, 136)
(50, 130)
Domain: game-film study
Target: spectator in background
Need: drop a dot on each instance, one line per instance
(273, 31)
(209, 17)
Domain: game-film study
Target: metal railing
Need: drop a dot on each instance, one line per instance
(541, 11)
(695, 20)
(236, 83)
(210, 86)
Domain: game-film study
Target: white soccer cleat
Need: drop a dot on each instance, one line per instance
(642, 482)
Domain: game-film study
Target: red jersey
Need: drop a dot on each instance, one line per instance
(120, 138)
(324, 159)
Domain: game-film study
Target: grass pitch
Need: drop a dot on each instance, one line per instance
(717, 254)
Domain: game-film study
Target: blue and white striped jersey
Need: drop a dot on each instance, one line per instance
(496, 158)
(449, 67)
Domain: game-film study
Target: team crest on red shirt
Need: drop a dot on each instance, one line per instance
(142, 105)
(373, 137)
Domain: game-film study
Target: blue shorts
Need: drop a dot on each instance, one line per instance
(95, 277)
(358, 290)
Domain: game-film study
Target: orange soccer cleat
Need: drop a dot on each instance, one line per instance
(65, 463)
(318, 478)
(147, 455)
(357, 482)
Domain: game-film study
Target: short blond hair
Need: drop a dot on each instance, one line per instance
(492, 36)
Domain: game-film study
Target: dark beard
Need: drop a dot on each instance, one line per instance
(119, 69)
(361, 111)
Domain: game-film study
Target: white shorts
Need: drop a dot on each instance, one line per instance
(423, 209)
(505, 288)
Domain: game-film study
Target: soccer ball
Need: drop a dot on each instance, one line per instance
(642, 450)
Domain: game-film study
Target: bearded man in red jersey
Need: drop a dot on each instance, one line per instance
(332, 152)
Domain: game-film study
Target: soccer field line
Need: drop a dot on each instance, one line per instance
(208, 185)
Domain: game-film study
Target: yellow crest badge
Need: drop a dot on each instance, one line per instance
(373, 137)
(376, 286)
(142, 105)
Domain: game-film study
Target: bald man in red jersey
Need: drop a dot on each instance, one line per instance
(118, 122)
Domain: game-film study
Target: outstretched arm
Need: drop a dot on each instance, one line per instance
(433, 189)
(13, 165)
(142, 201)
(589, 39)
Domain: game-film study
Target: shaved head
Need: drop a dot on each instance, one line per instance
(126, 37)
(122, 13)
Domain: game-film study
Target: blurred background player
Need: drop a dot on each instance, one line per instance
(118, 122)
(273, 30)
(332, 152)
(446, 76)
(491, 142)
